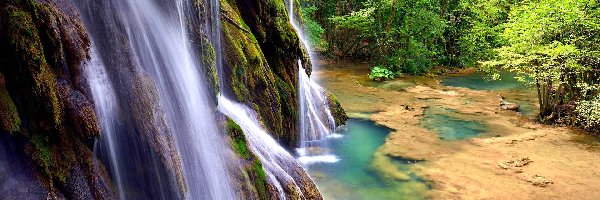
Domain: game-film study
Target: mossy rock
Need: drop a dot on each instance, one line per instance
(9, 117)
(43, 94)
(252, 165)
(24, 39)
(263, 74)
(239, 143)
(339, 115)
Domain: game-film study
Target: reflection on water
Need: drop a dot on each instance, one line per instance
(449, 124)
(508, 86)
(481, 81)
(363, 173)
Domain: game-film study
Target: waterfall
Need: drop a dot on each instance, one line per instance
(316, 121)
(276, 161)
(155, 33)
(105, 101)
(279, 166)
(213, 28)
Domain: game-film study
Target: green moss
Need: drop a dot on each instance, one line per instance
(47, 88)
(42, 150)
(9, 117)
(209, 64)
(241, 148)
(233, 127)
(336, 110)
(262, 62)
(260, 179)
(25, 39)
(254, 168)
(239, 143)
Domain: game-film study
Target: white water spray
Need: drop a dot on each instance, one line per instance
(316, 120)
(275, 159)
(105, 102)
(155, 32)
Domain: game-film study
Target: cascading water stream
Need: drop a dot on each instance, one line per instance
(156, 33)
(316, 121)
(106, 104)
(275, 159)
(163, 37)
(213, 28)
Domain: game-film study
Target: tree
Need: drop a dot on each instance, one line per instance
(554, 45)
(401, 36)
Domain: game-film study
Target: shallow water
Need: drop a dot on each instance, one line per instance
(508, 86)
(361, 173)
(447, 123)
(481, 81)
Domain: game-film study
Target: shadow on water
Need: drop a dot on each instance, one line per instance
(360, 174)
(450, 125)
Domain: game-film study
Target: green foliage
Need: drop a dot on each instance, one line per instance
(588, 112)
(381, 73)
(399, 35)
(552, 44)
(313, 30)
(478, 25)
(556, 43)
(418, 33)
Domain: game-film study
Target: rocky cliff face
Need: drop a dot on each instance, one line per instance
(262, 50)
(47, 111)
(46, 104)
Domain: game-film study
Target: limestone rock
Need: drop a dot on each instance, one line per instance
(505, 105)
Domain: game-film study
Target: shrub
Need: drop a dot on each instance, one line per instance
(382, 73)
(588, 112)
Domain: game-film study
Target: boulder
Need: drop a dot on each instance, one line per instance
(505, 105)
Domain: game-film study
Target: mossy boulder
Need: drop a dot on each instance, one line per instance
(336, 110)
(263, 72)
